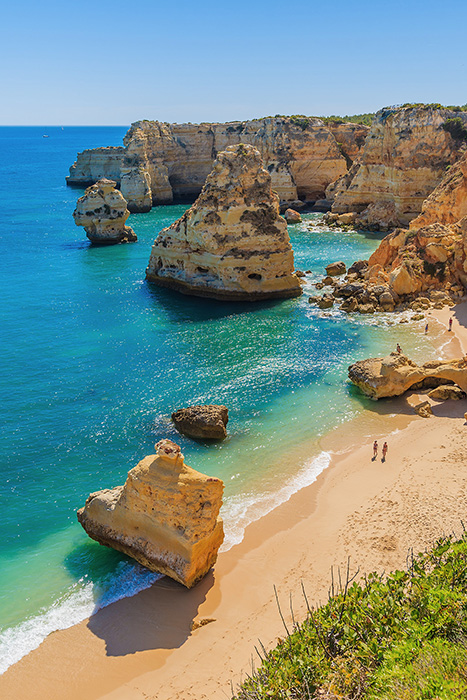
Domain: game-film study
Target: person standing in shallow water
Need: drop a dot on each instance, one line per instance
(375, 450)
(398, 349)
(385, 451)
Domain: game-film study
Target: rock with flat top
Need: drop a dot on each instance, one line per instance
(166, 516)
(202, 422)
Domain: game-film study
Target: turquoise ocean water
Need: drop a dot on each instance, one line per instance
(93, 362)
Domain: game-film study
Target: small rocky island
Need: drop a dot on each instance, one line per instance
(166, 516)
(202, 422)
(232, 244)
(103, 211)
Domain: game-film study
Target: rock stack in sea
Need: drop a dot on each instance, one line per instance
(103, 211)
(166, 516)
(232, 244)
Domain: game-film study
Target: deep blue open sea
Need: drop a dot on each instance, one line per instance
(94, 361)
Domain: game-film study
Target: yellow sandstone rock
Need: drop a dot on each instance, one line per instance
(166, 516)
(395, 374)
(102, 211)
(232, 243)
(162, 162)
(448, 201)
(404, 158)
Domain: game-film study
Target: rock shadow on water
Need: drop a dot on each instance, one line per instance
(158, 617)
(385, 406)
(184, 308)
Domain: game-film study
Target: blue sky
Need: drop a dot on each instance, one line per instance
(115, 62)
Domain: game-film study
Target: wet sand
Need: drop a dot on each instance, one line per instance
(370, 511)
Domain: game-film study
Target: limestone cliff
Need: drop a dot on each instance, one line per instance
(93, 164)
(448, 201)
(103, 212)
(413, 261)
(393, 375)
(166, 516)
(232, 243)
(161, 162)
(404, 158)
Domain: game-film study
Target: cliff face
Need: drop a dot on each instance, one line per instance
(102, 211)
(404, 158)
(93, 164)
(161, 162)
(448, 201)
(413, 261)
(166, 516)
(232, 243)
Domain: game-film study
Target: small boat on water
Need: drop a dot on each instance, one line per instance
(45, 136)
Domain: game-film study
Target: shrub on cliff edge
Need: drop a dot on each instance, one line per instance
(384, 639)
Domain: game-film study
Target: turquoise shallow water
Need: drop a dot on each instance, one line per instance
(94, 361)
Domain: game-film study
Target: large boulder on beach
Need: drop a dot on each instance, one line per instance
(202, 422)
(395, 374)
(231, 244)
(166, 516)
(102, 211)
(335, 269)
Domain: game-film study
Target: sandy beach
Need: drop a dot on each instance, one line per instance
(371, 511)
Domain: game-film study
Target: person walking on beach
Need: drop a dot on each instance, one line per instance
(450, 324)
(375, 450)
(426, 329)
(385, 451)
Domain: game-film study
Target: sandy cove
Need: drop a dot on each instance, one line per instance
(372, 512)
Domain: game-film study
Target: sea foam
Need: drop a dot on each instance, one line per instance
(82, 600)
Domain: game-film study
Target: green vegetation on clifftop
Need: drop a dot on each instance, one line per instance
(397, 638)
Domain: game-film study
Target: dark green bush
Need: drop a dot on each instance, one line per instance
(456, 127)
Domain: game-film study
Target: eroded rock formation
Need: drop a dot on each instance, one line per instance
(103, 212)
(393, 375)
(166, 516)
(404, 158)
(202, 422)
(232, 243)
(161, 162)
(448, 201)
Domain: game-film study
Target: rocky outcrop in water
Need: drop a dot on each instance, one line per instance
(404, 159)
(103, 212)
(163, 162)
(231, 244)
(202, 422)
(166, 516)
(394, 375)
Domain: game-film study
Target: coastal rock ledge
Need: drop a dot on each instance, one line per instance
(380, 377)
(103, 211)
(166, 516)
(232, 244)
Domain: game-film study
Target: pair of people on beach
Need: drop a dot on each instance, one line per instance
(384, 451)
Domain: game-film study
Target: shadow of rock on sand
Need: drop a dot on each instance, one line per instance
(159, 617)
